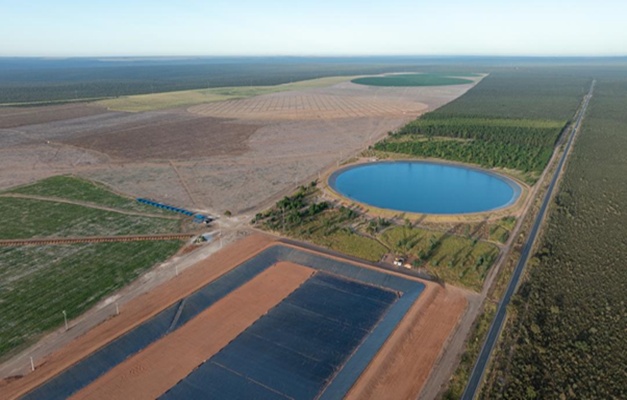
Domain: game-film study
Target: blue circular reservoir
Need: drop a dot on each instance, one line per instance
(425, 187)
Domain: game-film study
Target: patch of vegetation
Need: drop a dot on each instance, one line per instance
(473, 345)
(82, 190)
(523, 145)
(411, 80)
(506, 121)
(301, 216)
(38, 283)
(455, 259)
(566, 338)
(27, 218)
(528, 93)
(350, 242)
(500, 231)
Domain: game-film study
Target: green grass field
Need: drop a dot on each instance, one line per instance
(398, 80)
(81, 190)
(37, 283)
(27, 218)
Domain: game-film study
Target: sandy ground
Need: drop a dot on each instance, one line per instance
(196, 157)
(159, 367)
(403, 365)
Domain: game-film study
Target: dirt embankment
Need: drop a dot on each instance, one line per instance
(402, 367)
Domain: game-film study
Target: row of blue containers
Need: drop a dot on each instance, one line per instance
(198, 218)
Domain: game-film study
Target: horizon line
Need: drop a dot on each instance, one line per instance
(544, 56)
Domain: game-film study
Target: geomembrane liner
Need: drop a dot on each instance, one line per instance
(100, 362)
(297, 347)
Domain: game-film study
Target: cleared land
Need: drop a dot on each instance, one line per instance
(402, 367)
(211, 162)
(12, 117)
(186, 98)
(161, 140)
(299, 106)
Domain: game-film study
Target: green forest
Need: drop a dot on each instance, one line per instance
(41, 81)
(509, 120)
(567, 338)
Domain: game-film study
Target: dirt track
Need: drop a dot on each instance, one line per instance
(11, 117)
(160, 366)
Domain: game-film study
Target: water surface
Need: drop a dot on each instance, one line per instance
(425, 187)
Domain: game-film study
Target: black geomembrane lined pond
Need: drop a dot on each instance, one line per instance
(296, 348)
(364, 304)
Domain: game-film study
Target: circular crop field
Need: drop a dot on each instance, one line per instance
(411, 80)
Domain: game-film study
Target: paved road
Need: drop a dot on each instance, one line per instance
(495, 329)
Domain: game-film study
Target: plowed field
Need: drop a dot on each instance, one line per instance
(299, 106)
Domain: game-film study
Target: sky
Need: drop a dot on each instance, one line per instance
(61, 28)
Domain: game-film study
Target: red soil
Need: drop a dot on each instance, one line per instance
(161, 365)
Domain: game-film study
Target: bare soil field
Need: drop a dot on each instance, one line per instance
(402, 367)
(159, 367)
(299, 106)
(236, 155)
(203, 137)
(12, 117)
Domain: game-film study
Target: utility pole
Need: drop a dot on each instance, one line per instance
(65, 319)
